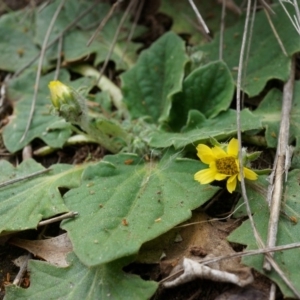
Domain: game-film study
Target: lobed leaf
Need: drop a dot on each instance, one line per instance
(208, 89)
(200, 130)
(25, 203)
(148, 87)
(124, 202)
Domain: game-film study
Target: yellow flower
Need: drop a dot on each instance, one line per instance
(60, 93)
(222, 165)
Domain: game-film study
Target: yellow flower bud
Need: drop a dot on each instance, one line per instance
(60, 93)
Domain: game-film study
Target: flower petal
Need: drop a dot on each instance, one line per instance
(237, 164)
(231, 183)
(220, 176)
(205, 154)
(205, 176)
(218, 152)
(233, 147)
(249, 174)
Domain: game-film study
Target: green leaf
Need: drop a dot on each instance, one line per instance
(77, 281)
(200, 130)
(124, 202)
(266, 59)
(21, 88)
(75, 39)
(288, 231)
(208, 89)
(269, 111)
(16, 44)
(148, 87)
(185, 21)
(53, 130)
(25, 203)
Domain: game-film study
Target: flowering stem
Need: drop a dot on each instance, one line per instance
(73, 108)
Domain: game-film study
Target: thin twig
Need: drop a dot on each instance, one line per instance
(68, 215)
(248, 49)
(244, 193)
(12, 181)
(211, 220)
(68, 27)
(275, 32)
(113, 43)
(200, 19)
(279, 167)
(238, 108)
(200, 28)
(23, 268)
(130, 35)
(39, 70)
(294, 23)
(43, 6)
(222, 30)
(272, 292)
(277, 269)
(240, 254)
(266, 6)
(297, 11)
(59, 53)
(251, 252)
(103, 22)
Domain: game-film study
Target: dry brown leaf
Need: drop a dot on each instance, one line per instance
(53, 250)
(205, 239)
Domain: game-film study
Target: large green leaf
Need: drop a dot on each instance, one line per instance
(25, 203)
(199, 129)
(77, 281)
(288, 231)
(16, 43)
(124, 202)
(157, 75)
(208, 89)
(75, 40)
(266, 59)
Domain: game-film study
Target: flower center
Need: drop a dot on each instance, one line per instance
(227, 166)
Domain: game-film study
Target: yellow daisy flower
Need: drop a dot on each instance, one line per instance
(222, 165)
